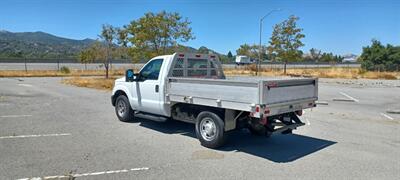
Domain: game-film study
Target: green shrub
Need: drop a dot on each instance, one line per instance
(65, 70)
(378, 57)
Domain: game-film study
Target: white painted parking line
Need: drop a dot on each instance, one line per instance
(33, 136)
(25, 85)
(72, 176)
(308, 122)
(348, 96)
(387, 116)
(15, 116)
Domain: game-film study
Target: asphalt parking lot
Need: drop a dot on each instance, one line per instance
(52, 130)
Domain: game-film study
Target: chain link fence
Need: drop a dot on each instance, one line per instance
(56, 64)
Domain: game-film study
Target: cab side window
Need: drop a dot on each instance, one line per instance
(152, 70)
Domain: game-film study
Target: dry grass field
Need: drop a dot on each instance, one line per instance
(333, 72)
(90, 82)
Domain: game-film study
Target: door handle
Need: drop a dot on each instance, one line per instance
(157, 88)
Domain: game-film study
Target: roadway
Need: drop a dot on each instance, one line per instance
(52, 130)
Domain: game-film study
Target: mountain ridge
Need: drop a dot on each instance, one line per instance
(40, 44)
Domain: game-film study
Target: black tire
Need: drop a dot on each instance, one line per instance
(260, 131)
(257, 131)
(123, 109)
(268, 132)
(289, 131)
(216, 136)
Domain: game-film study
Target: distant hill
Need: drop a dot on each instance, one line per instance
(39, 45)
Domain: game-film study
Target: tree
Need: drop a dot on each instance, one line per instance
(329, 57)
(122, 36)
(315, 54)
(286, 41)
(204, 50)
(99, 52)
(19, 54)
(108, 35)
(86, 56)
(155, 34)
(250, 51)
(229, 54)
(378, 57)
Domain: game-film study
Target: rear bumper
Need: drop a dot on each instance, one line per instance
(292, 106)
(282, 108)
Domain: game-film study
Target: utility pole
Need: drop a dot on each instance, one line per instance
(58, 63)
(26, 68)
(260, 47)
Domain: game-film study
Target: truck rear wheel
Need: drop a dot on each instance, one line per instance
(210, 129)
(257, 131)
(123, 109)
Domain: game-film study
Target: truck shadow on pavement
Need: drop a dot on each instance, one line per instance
(278, 148)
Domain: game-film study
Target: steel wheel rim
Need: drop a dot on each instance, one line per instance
(208, 129)
(121, 108)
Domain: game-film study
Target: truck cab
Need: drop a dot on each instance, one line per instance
(146, 89)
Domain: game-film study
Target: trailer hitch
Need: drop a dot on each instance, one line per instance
(287, 127)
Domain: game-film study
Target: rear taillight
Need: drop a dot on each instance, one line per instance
(198, 55)
(258, 109)
(181, 55)
(212, 56)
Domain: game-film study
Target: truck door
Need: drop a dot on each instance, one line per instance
(148, 90)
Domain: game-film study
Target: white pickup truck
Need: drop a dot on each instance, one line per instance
(193, 88)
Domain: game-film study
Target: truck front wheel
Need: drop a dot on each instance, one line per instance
(123, 109)
(210, 129)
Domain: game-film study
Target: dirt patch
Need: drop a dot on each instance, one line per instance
(92, 82)
(206, 154)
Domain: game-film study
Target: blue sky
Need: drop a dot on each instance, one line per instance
(338, 26)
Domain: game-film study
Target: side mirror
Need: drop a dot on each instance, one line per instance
(129, 75)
